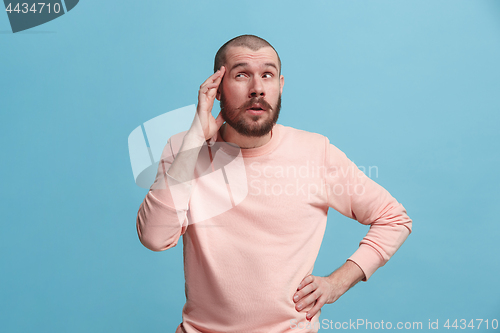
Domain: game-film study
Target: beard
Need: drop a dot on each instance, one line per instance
(250, 126)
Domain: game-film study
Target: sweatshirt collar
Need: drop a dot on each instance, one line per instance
(233, 149)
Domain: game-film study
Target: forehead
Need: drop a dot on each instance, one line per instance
(239, 54)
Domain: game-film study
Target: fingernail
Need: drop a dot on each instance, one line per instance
(299, 306)
(308, 317)
(296, 297)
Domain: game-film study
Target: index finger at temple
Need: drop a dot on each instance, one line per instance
(222, 71)
(212, 78)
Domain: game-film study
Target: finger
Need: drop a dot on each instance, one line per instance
(304, 292)
(212, 85)
(308, 300)
(218, 79)
(222, 70)
(319, 304)
(207, 94)
(212, 78)
(215, 76)
(308, 279)
(204, 90)
(209, 86)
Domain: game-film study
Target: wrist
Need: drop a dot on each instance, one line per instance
(192, 140)
(356, 270)
(346, 276)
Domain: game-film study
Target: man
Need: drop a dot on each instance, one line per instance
(248, 267)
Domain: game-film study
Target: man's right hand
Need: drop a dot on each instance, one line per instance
(204, 124)
(204, 127)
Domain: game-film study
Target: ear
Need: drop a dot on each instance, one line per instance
(282, 83)
(219, 89)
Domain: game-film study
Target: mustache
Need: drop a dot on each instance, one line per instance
(256, 100)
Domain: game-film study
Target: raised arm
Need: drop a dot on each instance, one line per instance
(161, 218)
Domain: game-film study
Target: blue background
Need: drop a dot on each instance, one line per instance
(411, 87)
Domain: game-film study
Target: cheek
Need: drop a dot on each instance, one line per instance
(235, 91)
(274, 92)
(274, 87)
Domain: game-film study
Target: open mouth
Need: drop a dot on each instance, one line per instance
(256, 109)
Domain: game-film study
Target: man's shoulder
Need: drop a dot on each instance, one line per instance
(309, 141)
(294, 134)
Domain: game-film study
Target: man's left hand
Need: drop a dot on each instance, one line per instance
(320, 290)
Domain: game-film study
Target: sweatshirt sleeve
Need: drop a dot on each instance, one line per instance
(162, 216)
(356, 196)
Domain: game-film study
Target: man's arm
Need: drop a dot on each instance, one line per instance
(364, 200)
(161, 218)
(204, 127)
(370, 204)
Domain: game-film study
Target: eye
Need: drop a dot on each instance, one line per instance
(240, 75)
(268, 75)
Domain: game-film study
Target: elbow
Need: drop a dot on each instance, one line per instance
(401, 219)
(158, 225)
(408, 227)
(156, 241)
(156, 247)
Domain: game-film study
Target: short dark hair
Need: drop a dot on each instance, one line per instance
(252, 42)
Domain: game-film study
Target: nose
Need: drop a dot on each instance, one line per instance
(256, 87)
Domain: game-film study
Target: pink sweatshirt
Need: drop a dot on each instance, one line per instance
(252, 229)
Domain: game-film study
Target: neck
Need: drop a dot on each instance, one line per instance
(229, 134)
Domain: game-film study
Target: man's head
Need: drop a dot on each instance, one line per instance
(250, 92)
(251, 42)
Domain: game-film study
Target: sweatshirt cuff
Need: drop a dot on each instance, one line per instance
(368, 259)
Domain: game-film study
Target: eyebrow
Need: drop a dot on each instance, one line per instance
(244, 64)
